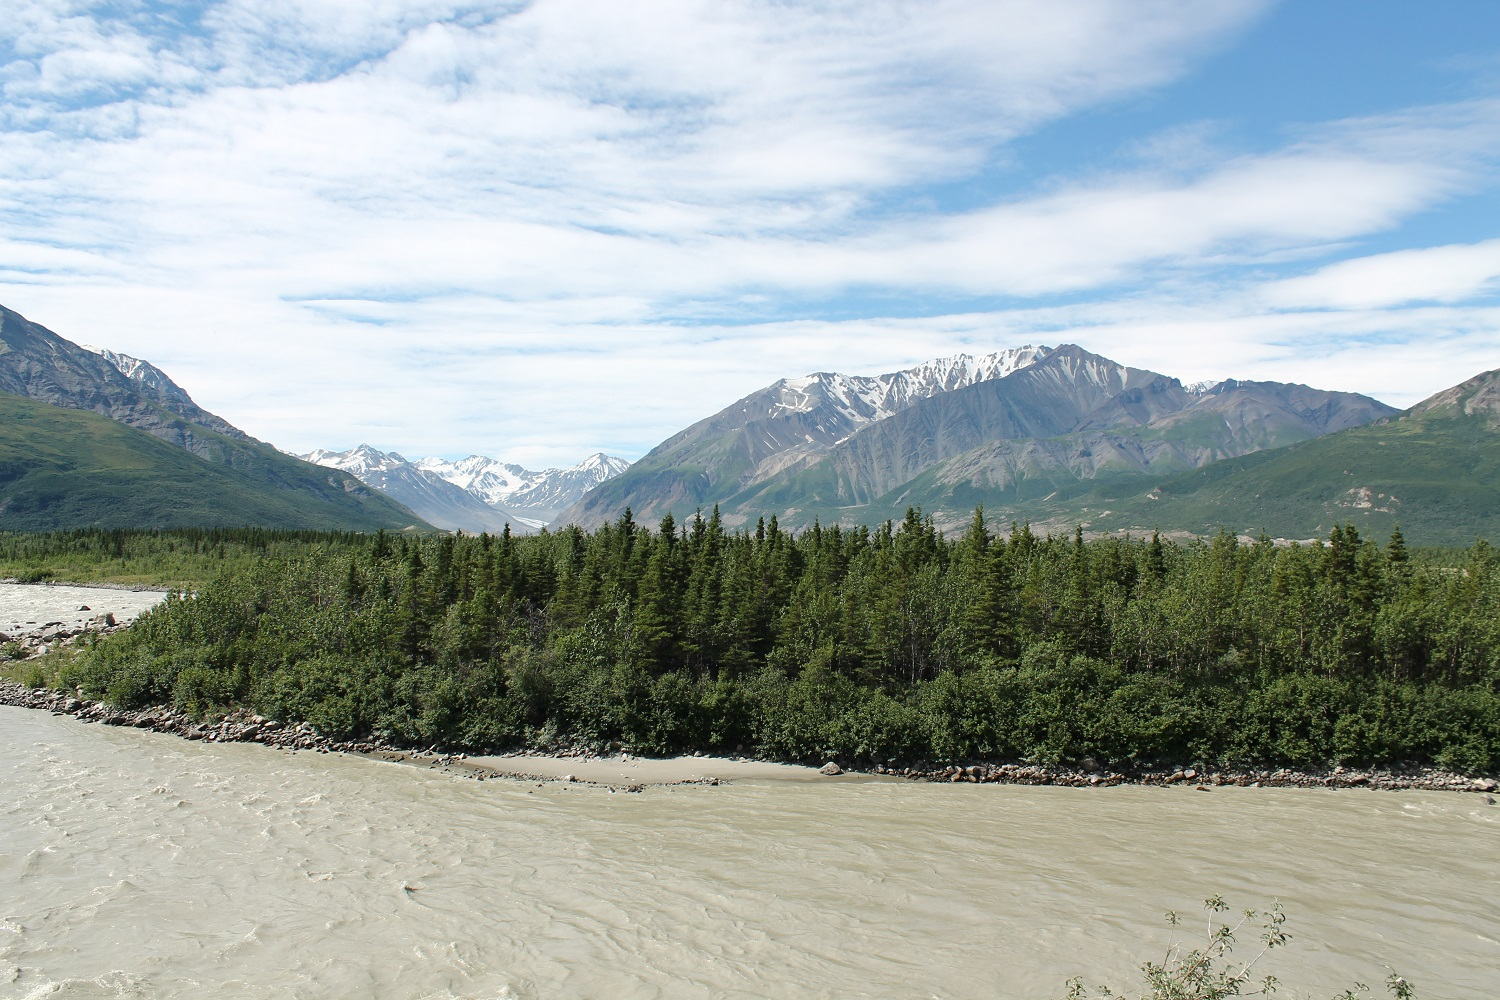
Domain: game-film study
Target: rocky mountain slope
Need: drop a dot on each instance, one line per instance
(778, 428)
(1006, 431)
(262, 487)
(147, 375)
(434, 499)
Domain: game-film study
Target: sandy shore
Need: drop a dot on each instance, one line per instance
(626, 770)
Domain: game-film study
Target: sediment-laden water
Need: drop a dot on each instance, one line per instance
(135, 864)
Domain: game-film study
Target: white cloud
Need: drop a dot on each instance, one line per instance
(1429, 274)
(446, 227)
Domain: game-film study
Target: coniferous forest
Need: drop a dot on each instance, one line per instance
(891, 643)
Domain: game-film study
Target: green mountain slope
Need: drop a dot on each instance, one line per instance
(1434, 470)
(38, 365)
(71, 468)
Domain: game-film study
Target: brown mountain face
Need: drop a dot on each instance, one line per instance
(1063, 419)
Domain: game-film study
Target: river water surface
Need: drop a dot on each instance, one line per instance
(134, 864)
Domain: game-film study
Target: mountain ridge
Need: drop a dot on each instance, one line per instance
(38, 365)
(1040, 421)
(1433, 470)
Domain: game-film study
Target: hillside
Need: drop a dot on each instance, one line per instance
(64, 468)
(38, 365)
(1434, 470)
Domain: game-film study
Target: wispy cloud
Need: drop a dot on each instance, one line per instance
(1450, 273)
(539, 229)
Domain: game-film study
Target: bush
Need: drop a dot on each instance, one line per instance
(1208, 971)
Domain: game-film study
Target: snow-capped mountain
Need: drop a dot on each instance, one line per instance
(434, 499)
(1001, 429)
(782, 427)
(864, 399)
(476, 493)
(490, 480)
(144, 372)
(538, 496)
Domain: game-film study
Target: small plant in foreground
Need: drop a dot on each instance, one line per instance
(1209, 972)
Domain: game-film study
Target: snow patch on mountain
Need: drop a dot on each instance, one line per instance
(540, 495)
(431, 497)
(457, 493)
(864, 399)
(143, 372)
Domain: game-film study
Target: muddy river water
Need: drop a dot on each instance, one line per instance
(135, 864)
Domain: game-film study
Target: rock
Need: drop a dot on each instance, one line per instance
(1190, 774)
(830, 768)
(106, 620)
(84, 607)
(570, 777)
(1484, 784)
(1489, 800)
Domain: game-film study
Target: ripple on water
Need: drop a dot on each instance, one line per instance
(197, 870)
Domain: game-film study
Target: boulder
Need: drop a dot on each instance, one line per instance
(830, 768)
(1484, 784)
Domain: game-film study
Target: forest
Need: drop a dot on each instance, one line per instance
(884, 644)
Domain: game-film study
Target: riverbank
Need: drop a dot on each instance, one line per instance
(44, 614)
(626, 772)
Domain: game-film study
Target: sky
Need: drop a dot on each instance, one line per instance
(539, 230)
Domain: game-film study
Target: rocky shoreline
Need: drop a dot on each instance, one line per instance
(1423, 779)
(245, 727)
(130, 588)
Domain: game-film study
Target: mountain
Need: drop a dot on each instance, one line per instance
(535, 497)
(64, 468)
(431, 497)
(248, 482)
(38, 364)
(775, 429)
(1433, 470)
(148, 375)
(1009, 431)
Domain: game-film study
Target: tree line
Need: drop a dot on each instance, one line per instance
(887, 643)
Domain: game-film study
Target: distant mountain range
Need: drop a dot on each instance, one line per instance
(476, 493)
(1013, 431)
(103, 439)
(1052, 436)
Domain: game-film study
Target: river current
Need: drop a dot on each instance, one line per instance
(135, 864)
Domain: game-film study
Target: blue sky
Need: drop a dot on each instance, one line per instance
(537, 230)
